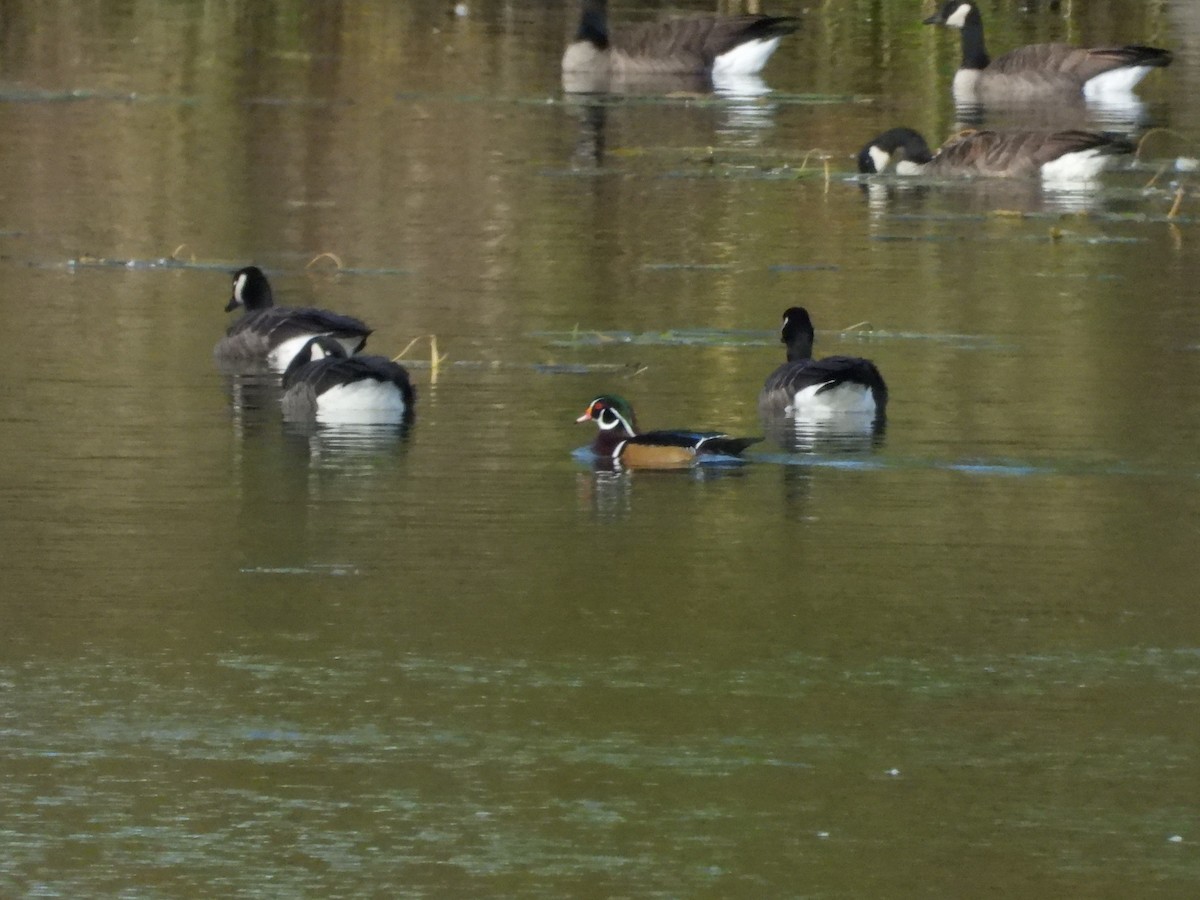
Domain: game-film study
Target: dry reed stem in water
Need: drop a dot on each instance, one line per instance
(434, 358)
(326, 255)
(1142, 140)
(1179, 193)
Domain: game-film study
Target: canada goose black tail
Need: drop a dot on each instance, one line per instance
(768, 27)
(1141, 55)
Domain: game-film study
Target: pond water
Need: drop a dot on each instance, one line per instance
(244, 659)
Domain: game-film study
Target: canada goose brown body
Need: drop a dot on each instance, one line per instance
(707, 45)
(1068, 155)
(1040, 72)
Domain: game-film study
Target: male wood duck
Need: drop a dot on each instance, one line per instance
(618, 439)
(820, 388)
(275, 334)
(325, 385)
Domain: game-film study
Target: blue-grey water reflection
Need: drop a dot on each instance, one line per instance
(244, 657)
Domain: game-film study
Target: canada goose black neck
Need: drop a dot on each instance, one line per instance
(593, 24)
(797, 334)
(974, 50)
(966, 17)
(323, 347)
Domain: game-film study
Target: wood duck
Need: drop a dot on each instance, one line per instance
(618, 439)
(717, 46)
(275, 334)
(1040, 72)
(820, 388)
(1056, 156)
(325, 385)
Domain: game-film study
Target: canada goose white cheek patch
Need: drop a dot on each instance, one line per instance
(879, 158)
(958, 18)
(239, 285)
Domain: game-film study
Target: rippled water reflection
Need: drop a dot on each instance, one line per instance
(241, 657)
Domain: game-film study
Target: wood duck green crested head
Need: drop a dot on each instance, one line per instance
(612, 414)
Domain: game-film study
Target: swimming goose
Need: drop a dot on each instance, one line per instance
(274, 334)
(820, 388)
(1040, 72)
(323, 384)
(1057, 156)
(716, 46)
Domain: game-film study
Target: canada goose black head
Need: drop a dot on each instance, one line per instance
(797, 333)
(956, 14)
(251, 290)
(897, 148)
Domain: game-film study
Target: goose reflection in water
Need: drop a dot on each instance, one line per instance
(846, 434)
(350, 448)
(893, 196)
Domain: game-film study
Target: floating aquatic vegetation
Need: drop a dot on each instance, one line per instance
(804, 267)
(174, 262)
(690, 337)
(720, 337)
(332, 569)
(668, 267)
(583, 368)
(915, 238)
(74, 95)
(1059, 236)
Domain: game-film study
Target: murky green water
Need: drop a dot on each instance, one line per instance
(240, 659)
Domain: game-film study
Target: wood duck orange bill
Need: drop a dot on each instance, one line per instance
(619, 442)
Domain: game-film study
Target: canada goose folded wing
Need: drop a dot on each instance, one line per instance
(283, 323)
(693, 43)
(332, 372)
(1016, 154)
(1079, 63)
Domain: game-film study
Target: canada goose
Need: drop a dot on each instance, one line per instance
(714, 46)
(274, 334)
(820, 388)
(1057, 156)
(1040, 72)
(323, 384)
